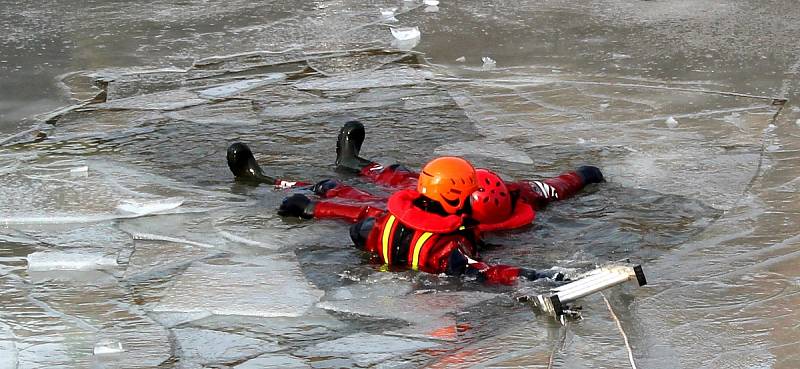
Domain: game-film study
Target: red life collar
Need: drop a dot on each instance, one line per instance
(401, 205)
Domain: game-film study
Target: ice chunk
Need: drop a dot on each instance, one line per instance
(431, 9)
(276, 361)
(387, 14)
(461, 59)
(148, 207)
(270, 286)
(107, 346)
(406, 33)
(235, 88)
(488, 63)
(431, 2)
(82, 171)
(671, 122)
(202, 346)
(58, 260)
(405, 38)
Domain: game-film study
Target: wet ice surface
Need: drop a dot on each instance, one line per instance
(185, 268)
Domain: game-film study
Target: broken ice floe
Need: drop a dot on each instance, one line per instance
(461, 59)
(58, 260)
(273, 288)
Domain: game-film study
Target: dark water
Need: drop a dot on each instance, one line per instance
(700, 191)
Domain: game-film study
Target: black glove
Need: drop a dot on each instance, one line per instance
(297, 205)
(322, 187)
(533, 275)
(590, 174)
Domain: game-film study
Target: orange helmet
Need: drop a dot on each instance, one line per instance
(449, 181)
(491, 203)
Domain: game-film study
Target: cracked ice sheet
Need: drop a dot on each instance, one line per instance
(265, 286)
(55, 324)
(620, 126)
(390, 298)
(45, 192)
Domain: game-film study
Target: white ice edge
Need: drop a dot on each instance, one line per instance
(128, 208)
(62, 260)
(203, 313)
(157, 237)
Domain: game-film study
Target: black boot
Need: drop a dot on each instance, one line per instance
(348, 146)
(244, 166)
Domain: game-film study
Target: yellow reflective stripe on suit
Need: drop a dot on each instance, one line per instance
(418, 247)
(387, 232)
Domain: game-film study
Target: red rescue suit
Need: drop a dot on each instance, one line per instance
(408, 236)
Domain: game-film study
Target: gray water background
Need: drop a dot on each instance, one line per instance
(705, 201)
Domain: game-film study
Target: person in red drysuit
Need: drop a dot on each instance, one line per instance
(510, 212)
(416, 230)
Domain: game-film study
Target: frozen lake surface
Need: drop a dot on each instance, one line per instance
(125, 242)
